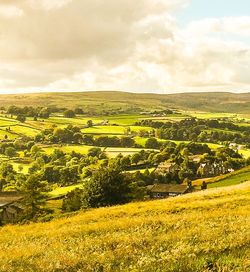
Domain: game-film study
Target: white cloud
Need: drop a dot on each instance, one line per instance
(10, 11)
(126, 45)
(233, 25)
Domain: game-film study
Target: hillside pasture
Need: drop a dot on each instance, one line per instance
(233, 178)
(25, 130)
(189, 233)
(4, 133)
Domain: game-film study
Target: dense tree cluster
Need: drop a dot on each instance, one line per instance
(24, 112)
(199, 130)
(73, 135)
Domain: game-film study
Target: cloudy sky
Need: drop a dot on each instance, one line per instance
(160, 46)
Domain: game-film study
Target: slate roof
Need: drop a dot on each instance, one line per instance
(168, 188)
(7, 198)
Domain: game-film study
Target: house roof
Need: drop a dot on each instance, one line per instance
(168, 188)
(7, 198)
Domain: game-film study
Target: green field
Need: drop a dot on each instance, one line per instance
(60, 191)
(245, 153)
(187, 233)
(113, 130)
(83, 149)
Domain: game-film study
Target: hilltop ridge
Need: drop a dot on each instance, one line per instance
(214, 102)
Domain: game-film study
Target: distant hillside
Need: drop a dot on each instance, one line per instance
(99, 101)
(204, 231)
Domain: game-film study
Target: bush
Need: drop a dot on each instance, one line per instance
(73, 201)
(69, 114)
(106, 187)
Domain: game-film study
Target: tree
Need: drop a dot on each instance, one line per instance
(51, 173)
(69, 175)
(34, 196)
(125, 162)
(152, 143)
(127, 142)
(73, 201)
(107, 186)
(78, 137)
(135, 158)
(44, 113)
(90, 123)
(79, 111)
(88, 139)
(69, 114)
(35, 149)
(10, 152)
(21, 118)
(6, 169)
(95, 152)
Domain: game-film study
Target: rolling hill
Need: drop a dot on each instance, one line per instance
(211, 102)
(204, 231)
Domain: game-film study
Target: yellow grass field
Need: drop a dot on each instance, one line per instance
(203, 231)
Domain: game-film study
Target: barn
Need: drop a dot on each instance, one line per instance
(158, 191)
(10, 207)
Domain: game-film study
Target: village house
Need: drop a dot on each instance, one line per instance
(211, 169)
(234, 146)
(159, 191)
(194, 158)
(10, 207)
(167, 167)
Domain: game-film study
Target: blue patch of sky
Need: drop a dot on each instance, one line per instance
(202, 9)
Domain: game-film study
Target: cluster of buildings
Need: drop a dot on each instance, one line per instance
(205, 170)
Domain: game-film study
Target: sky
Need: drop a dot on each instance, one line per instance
(161, 46)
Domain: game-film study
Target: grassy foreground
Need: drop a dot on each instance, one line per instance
(195, 232)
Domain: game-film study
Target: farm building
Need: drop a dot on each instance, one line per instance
(157, 191)
(10, 207)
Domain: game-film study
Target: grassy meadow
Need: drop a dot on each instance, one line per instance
(204, 231)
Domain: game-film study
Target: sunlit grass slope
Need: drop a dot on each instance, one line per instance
(195, 232)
